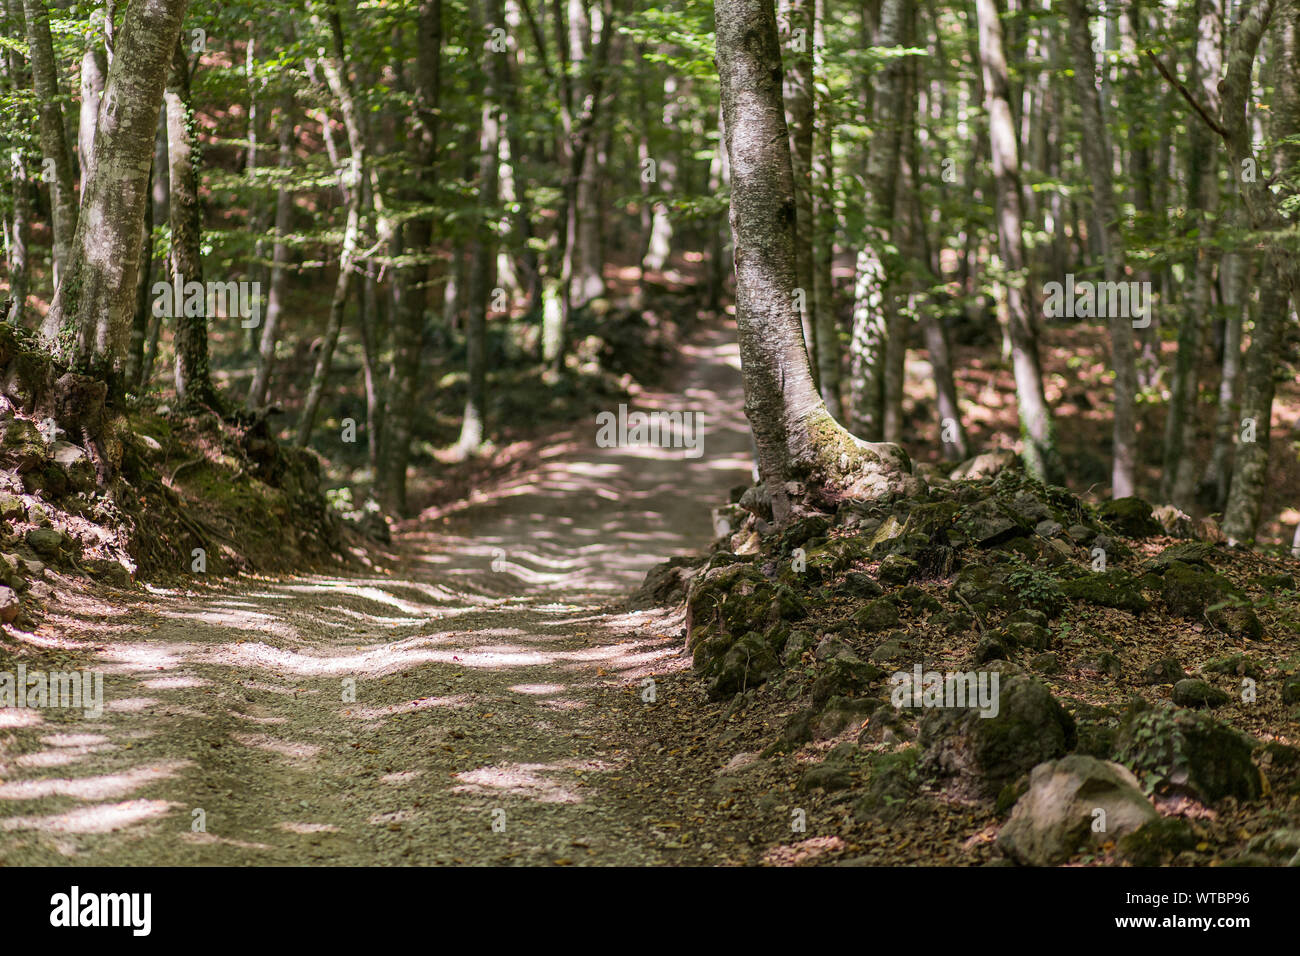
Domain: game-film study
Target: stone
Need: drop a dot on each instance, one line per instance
(1131, 517)
(980, 755)
(1072, 803)
(1191, 692)
(896, 570)
(10, 605)
(1188, 752)
(1115, 588)
(1167, 670)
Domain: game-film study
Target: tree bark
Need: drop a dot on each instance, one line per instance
(54, 140)
(796, 438)
(96, 297)
(1036, 427)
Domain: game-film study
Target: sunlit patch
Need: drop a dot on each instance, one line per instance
(805, 851)
(73, 740)
(538, 689)
(294, 750)
(533, 780)
(402, 777)
(212, 839)
(308, 827)
(19, 717)
(103, 818)
(91, 788)
(457, 702)
(131, 705)
(397, 816)
(52, 758)
(175, 683)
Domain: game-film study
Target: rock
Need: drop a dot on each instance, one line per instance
(1235, 665)
(1167, 670)
(981, 755)
(665, 584)
(1198, 693)
(859, 585)
(1156, 842)
(1291, 691)
(47, 542)
(896, 570)
(1102, 662)
(1046, 663)
(1071, 803)
(109, 571)
(878, 615)
(989, 523)
(9, 605)
(1131, 517)
(748, 663)
(1189, 552)
(890, 650)
(1188, 590)
(990, 647)
(1239, 623)
(1081, 534)
(1048, 528)
(843, 712)
(1282, 845)
(842, 677)
(826, 776)
(985, 465)
(1187, 752)
(891, 786)
(75, 465)
(22, 444)
(12, 507)
(1033, 637)
(1112, 588)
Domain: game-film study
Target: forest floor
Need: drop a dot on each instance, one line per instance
(502, 710)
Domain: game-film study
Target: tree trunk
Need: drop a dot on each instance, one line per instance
(1036, 428)
(96, 297)
(796, 438)
(270, 337)
(193, 384)
(54, 140)
(798, 95)
(482, 252)
(1097, 157)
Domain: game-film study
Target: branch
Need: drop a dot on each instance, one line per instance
(1187, 95)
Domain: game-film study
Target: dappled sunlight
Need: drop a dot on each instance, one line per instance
(537, 781)
(91, 788)
(98, 819)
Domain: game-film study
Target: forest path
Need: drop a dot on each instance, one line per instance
(496, 682)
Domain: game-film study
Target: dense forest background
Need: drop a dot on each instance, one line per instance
(446, 224)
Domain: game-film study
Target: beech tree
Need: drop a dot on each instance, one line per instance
(797, 439)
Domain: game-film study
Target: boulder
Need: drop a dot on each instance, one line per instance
(1187, 752)
(981, 755)
(1073, 802)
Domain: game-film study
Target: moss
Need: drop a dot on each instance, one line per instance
(1114, 588)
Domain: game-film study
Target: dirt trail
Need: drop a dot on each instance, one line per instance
(496, 682)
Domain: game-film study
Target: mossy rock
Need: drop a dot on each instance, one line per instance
(1174, 750)
(842, 712)
(1188, 552)
(1235, 665)
(1027, 635)
(858, 585)
(892, 784)
(1238, 623)
(1158, 842)
(991, 647)
(1130, 516)
(1191, 692)
(896, 570)
(747, 663)
(1188, 590)
(1167, 670)
(981, 755)
(841, 677)
(878, 615)
(1114, 588)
